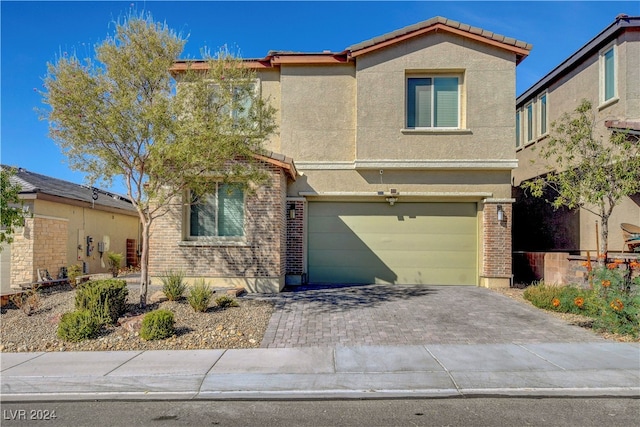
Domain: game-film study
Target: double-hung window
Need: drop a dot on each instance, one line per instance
(220, 214)
(530, 122)
(608, 86)
(518, 142)
(433, 102)
(542, 114)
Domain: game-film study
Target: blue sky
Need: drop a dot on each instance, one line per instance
(33, 33)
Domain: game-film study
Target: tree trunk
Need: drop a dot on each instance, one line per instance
(144, 264)
(604, 238)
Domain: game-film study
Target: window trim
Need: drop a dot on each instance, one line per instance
(542, 115)
(529, 123)
(602, 83)
(519, 128)
(232, 240)
(433, 76)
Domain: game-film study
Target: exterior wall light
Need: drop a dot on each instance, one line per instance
(292, 211)
(500, 213)
(392, 200)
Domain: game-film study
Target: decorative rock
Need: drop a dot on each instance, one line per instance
(131, 324)
(236, 291)
(157, 297)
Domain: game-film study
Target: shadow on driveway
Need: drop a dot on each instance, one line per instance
(353, 315)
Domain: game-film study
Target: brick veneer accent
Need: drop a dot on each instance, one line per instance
(262, 254)
(295, 238)
(496, 258)
(41, 243)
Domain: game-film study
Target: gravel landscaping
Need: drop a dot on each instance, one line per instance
(233, 327)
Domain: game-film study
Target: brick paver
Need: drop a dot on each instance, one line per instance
(409, 314)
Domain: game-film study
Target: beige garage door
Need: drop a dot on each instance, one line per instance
(408, 243)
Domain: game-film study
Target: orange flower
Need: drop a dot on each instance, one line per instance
(606, 283)
(612, 265)
(555, 302)
(634, 264)
(617, 305)
(579, 302)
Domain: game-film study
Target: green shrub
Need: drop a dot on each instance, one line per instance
(173, 285)
(105, 299)
(564, 299)
(114, 259)
(73, 272)
(78, 325)
(200, 295)
(157, 325)
(613, 303)
(226, 301)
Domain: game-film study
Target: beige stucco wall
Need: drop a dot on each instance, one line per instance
(270, 91)
(318, 112)
(486, 99)
(111, 228)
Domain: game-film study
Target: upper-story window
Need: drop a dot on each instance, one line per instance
(532, 121)
(220, 214)
(608, 86)
(529, 122)
(433, 102)
(518, 141)
(542, 114)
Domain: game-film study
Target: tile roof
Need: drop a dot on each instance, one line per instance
(34, 183)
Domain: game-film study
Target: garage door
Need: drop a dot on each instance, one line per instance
(408, 243)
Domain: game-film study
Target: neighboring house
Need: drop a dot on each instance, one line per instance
(403, 147)
(606, 71)
(66, 224)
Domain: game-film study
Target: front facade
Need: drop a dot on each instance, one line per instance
(403, 147)
(605, 71)
(64, 225)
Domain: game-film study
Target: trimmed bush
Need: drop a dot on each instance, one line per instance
(225, 301)
(200, 295)
(78, 326)
(105, 299)
(173, 285)
(114, 260)
(157, 325)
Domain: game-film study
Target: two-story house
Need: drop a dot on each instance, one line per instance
(403, 150)
(605, 71)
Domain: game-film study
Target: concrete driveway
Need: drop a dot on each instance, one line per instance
(356, 315)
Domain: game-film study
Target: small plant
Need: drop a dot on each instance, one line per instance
(225, 301)
(28, 301)
(78, 326)
(73, 272)
(157, 325)
(105, 299)
(200, 295)
(173, 285)
(114, 259)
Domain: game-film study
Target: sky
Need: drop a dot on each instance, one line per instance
(35, 33)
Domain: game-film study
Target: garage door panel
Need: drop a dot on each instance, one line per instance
(430, 243)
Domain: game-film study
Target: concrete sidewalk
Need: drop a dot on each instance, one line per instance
(442, 370)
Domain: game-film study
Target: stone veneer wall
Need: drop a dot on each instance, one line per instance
(260, 258)
(496, 258)
(41, 243)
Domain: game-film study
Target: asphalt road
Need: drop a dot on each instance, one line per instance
(470, 412)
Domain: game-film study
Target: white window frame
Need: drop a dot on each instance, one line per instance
(529, 123)
(542, 115)
(214, 238)
(458, 76)
(603, 75)
(519, 128)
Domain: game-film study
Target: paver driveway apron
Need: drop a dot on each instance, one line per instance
(353, 315)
